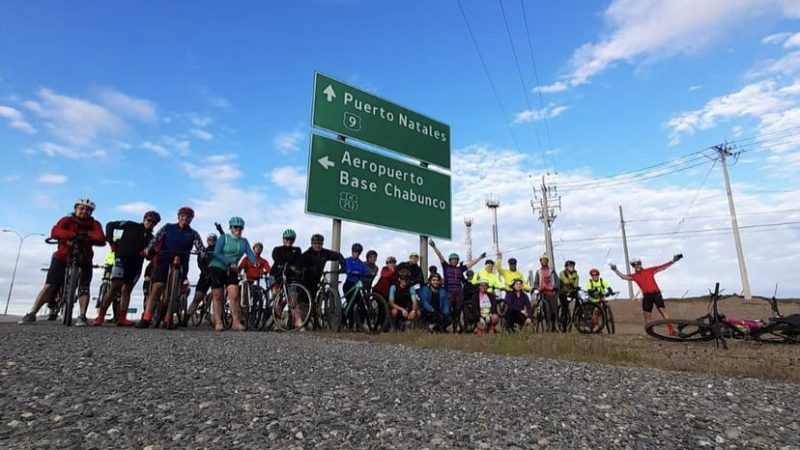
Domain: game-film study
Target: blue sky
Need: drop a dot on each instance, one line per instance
(153, 104)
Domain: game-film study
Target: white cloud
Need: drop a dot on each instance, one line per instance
(53, 149)
(777, 38)
(785, 66)
(792, 41)
(155, 148)
(51, 178)
(179, 145)
(76, 121)
(16, 120)
(288, 142)
(695, 87)
(136, 207)
(215, 99)
(127, 106)
(216, 169)
(655, 29)
(11, 178)
(290, 178)
(201, 134)
(558, 86)
(549, 112)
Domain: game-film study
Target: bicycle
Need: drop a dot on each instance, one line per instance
(69, 290)
(717, 327)
(291, 306)
(367, 308)
(588, 317)
(175, 302)
(203, 311)
(327, 307)
(540, 309)
(602, 315)
(256, 301)
(564, 314)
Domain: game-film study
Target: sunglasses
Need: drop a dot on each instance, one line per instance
(237, 228)
(185, 216)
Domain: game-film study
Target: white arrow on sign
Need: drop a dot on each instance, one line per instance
(325, 162)
(329, 92)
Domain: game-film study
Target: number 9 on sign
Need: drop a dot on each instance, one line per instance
(352, 121)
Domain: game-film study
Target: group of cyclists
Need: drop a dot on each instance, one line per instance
(457, 298)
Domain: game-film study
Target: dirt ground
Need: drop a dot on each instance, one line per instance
(633, 347)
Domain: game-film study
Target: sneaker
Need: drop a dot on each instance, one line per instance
(98, 321)
(143, 324)
(28, 319)
(125, 323)
(52, 316)
(81, 322)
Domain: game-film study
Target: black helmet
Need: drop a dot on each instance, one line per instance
(152, 215)
(569, 262)
(372, 253)
(317, 238)
(357, 247)
(512, 261)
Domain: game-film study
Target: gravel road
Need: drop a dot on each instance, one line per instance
(87, 388)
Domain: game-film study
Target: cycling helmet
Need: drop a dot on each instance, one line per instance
(593, 272)
(512, 261)
(258, 244)
(154, 216)
(469, 274)
(453, 256)
(569, 262)
(317, 238)
(212, 236)
(433, 269)
(488, 261)
(635, 261)
(544, 256)
(187, 211)
(85, 202)
(289, 234)
(236, 221)
(391, 259)
(413, 255)
(483, 281)
(372, 253)
(357, 247)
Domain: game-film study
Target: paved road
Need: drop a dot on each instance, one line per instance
(86, 388)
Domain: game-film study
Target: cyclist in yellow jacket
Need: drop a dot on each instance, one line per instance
(511, 274)
(487, 274)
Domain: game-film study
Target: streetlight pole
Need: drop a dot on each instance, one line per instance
(14, 273)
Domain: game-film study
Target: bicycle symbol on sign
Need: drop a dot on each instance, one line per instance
(348, 201)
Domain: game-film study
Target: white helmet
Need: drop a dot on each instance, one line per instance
(635, 261)
(85, 202)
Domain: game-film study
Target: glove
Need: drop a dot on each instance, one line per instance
(483, 255)
(613, 266)
(431, 243)
(677, 257)
(609, 292)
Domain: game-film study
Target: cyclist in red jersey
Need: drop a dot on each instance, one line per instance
(646, 280)
(81, 228)
(254, 272)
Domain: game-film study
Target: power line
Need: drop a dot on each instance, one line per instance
(522, 80)
(751, 213)
(634, 180)
(488, 76)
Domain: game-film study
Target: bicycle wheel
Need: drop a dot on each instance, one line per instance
(372, 314)
(609, 320)
(267, 321)
(330, 310)
(173, 297)
(199, 313)
(563, 318)
(71, 292)
(292, 307)
(777, 333)
(588, 318)
(256, 314)
(102, 293)
(539, 316)
(679, 330)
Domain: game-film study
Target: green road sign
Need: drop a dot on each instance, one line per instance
(351, 112)
(349, 183)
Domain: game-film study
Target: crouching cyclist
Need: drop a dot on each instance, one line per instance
(435, 305)
(173, 239)
(403, 303)
(519, 310)
(129, 257)
(486, 302)
(79, 229)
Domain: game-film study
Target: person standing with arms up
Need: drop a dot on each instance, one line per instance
(645, 278)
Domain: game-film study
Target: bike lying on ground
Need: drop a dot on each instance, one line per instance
(715, 326)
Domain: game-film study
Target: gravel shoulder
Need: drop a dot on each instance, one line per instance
(121, 388)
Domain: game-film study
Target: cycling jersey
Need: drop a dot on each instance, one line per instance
(356, 269)
(646, 279)
(485, 303)
(402, 297)
(494, 282)
(546, 281)
(67, 228)
(569, 281)
(254, 271)
(229, 250)
(372, 271)
(176, 241)
(453, 277)
(110, 258)
(313, 263)
(387, 279)
(510, 275)
(134, 238)
(518, 302)
(285, 256)
(414, 272)
(597, 288)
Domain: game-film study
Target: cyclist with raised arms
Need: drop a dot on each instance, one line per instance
(510, 274)
(129, 257)
(173, 239)
(78, 228)
(203, 280)
(547, 282)
(313, 260)
(453, 274)
(645, 278)
(224, 271)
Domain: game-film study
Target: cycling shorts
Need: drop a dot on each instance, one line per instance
(161, 272)
(203, 282)
(221, 279)
(126, 270)
(57, 270)
(653, 298)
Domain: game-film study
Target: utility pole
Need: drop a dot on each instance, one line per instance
(493, 203)
(724, 152)
(627, 257)
(468, 223)
(548, 202)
